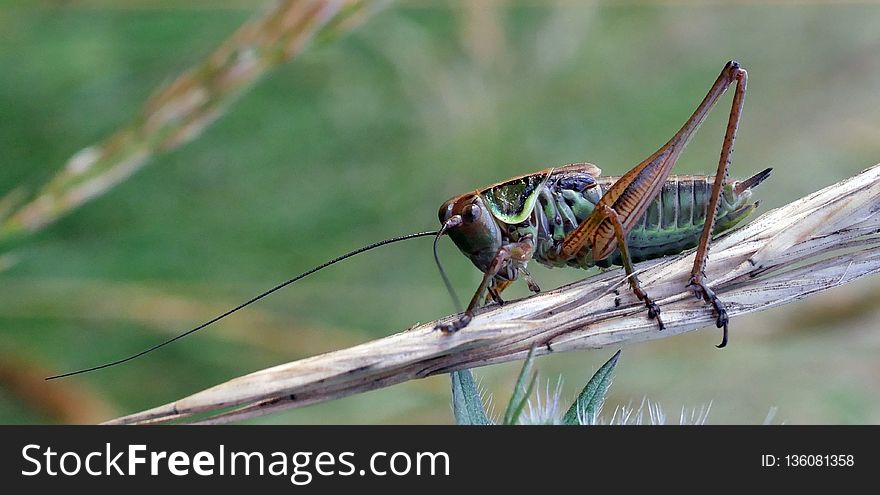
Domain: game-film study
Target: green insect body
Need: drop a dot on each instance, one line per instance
(572, 216)
(671, 225)
(543, 208)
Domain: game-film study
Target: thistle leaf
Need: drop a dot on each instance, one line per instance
(593, 395)
(466, 402)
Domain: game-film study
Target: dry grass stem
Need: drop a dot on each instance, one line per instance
(179, 111)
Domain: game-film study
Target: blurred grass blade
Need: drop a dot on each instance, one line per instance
(466, 402)
(521, 391)
(178, 112)
(21, 380)
(590, 400)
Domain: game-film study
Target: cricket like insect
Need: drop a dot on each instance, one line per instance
(573, 216)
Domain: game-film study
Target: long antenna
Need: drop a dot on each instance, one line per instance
(248, 302)
(454, 221)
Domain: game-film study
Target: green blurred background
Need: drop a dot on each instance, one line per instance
(363, 139)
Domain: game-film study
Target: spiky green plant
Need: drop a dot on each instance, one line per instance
(469, 409)
(585, 410)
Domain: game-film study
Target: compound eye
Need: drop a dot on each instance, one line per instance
(471, 212)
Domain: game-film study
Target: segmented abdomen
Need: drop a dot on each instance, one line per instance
(672, 224)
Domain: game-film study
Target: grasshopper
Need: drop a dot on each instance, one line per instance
(574, 216)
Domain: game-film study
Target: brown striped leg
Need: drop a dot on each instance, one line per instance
(697, 282)
(633, 193)
(653, 308)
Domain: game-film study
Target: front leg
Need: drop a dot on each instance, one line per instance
(517, 251)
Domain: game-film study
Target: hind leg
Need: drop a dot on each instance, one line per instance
(697, 282)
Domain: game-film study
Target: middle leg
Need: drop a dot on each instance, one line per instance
(635, 285)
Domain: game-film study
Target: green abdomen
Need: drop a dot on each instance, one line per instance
(672, 224)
